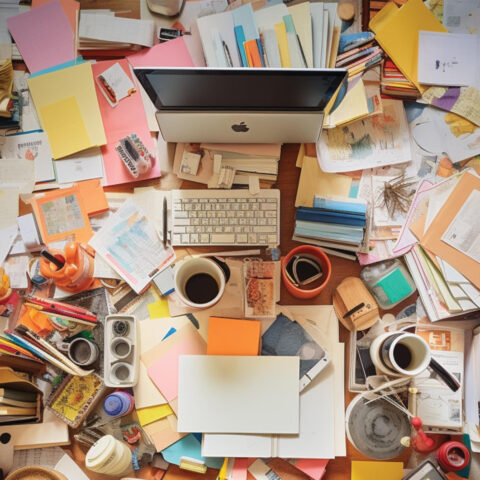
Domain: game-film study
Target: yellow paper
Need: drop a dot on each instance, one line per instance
(65, 128)
(380, 470)
(159, 309)
(152, 414)
(313, 181)
(281, 32)
(396, 30)
(300, 155)
(77, 82)
(353, 106)
(302, 20)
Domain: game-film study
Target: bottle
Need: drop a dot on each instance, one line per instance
(118, 404)
(76, 274)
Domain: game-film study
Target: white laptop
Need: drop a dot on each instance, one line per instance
(240, 105)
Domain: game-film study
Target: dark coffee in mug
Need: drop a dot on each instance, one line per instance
(201, 288)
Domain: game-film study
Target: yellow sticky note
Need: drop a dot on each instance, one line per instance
(369, 470)
(152, 414)
(65, 128)
(352, 107)
(159, 309)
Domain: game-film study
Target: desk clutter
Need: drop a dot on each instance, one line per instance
(154, 358)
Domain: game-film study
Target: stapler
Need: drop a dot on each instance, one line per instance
(354, 305)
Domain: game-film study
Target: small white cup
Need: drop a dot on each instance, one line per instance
(189, 267)
(389, 349)
(121, 347)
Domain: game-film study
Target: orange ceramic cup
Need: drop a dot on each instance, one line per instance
(307, 291)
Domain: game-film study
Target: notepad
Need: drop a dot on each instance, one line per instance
(231, 394)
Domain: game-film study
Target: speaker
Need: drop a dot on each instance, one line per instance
(168, 8)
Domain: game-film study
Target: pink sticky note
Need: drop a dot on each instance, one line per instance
(314, 468)
(44, 36)
(173, 53)
(164, 372)
(124, 119)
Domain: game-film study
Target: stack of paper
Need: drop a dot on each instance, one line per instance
(68, 110)
(107, 32)
(445, 263)
(44, 36)
(301, 36)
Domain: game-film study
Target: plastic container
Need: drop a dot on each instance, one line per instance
(389, 282)
(109, 456)
(311, 290)
(118, 404)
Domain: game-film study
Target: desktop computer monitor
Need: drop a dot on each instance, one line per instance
(240, 105)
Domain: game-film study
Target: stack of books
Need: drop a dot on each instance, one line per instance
(337, 225)
(394, 84)
(358, 54)
(17, 406)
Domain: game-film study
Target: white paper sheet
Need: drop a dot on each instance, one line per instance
(81, 166)
(447, 59)
(7, 236)
(234, 394)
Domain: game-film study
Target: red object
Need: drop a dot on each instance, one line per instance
(421, 442)
(453, 456)
(305, 292)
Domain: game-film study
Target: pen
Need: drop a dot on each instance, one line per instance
(227, 54)
(48, 302)
(65, 313)
(165, 221)
(58, 263)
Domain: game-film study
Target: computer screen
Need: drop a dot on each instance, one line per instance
(240, 88)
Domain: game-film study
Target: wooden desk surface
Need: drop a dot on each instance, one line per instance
(339, 468)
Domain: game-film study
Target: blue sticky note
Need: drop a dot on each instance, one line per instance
(395, 286)
(190, 446)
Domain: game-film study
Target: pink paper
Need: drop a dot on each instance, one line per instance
(173, 53)
(240, 468)
(44, 36)
(164, 372)
(124, 119)
(314, 468)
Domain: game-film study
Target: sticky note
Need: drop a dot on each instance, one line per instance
(369, 470)
(395, 286)
(65, 128)
(228, 336)
(152, 414)
(159, 309)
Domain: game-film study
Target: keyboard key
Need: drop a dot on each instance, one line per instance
(226, 238)
(242, 238)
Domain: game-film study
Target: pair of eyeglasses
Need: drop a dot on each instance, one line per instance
(303, 269)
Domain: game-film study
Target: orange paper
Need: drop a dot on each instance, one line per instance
(228, 336)
(432, 240)
(93, 196)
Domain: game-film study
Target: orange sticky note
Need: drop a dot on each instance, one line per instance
(228, 336)
(94, 199)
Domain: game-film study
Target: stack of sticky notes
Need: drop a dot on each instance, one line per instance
(228, 336)
(384, 470)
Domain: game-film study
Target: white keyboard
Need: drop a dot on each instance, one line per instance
(225, 217)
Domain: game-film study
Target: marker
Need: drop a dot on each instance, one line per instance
(58, 263)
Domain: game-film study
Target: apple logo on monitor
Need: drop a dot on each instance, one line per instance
(240, 127)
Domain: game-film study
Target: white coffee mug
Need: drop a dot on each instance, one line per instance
(199, 282)
(400, 354)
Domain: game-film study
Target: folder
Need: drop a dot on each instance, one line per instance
(240, 37)
(253, 54)
(281, 32)
(467, 187)
(302, 20)
(397, 30)
(245, 29)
